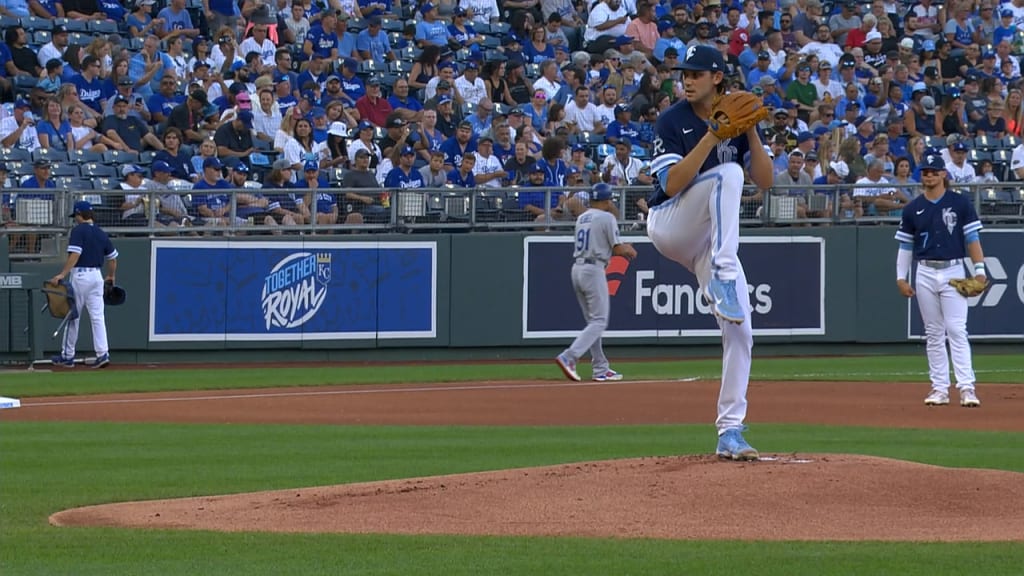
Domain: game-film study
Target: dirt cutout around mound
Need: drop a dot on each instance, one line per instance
(785, 497)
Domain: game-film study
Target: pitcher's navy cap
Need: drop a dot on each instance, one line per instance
(933, 162)
(702, 58)
(80, 206)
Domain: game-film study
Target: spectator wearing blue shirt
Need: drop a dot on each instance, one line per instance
(176, 21)
(464, 33)
(316, 73)
(15, 8)
(481, 119)
(760, 69)
(770, 92)
(214, 208)
(622, 126)
(89, 85)
(1006, 29)
(463, 177)
(404, 175)
(373, 43)
(114, 9)
(375, 8)
(161, 103)
(322, 39)
(55, 8)
(668, 39)
(751, 54)
(351, 85)
(148, 67)
(40, 178)
(430, 30)
(460, 145)
(402, 102)
(346, 39)
(220, 13)
(534, 202)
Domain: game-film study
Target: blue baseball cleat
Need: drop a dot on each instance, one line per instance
(63, 362)
(608, 376)
(101, 362)
(724, 302)
(732, 446)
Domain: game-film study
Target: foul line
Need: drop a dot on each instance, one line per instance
(452, 388)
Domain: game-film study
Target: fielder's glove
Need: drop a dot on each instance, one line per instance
(735, 113)
(968, 287)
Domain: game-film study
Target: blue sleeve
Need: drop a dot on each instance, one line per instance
(907, 230)
(421, 31)
(390, 181)
(108, 249)
(972, 224)
(76, 239)
(363, 41)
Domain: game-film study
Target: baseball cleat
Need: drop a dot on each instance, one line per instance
(968, 399)
(63, 362)
(732, 446)
(937, 398)
(101, 362)
(724, 302)
(609, 376)
(568, 368)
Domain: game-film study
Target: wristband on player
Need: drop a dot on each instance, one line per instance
(979, 269)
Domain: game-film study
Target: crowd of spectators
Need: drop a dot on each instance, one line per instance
(375, 96)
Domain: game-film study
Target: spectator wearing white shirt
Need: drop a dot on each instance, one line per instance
(621, 168)
(54, 49)
(874, 195)
(548, 81)
(488, 170)
(261, 44)
(582, 112)
(607, 21)
(470, 86)
(482, 11)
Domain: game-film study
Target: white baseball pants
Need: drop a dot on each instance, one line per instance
(699, 229)
(944, 312)
(88, 286)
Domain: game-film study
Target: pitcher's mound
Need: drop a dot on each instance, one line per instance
(784, 497)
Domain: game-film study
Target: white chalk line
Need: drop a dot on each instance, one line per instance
(28, 403)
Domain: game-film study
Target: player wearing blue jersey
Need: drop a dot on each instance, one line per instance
(694, 220)
(88, 249)
(938, 230)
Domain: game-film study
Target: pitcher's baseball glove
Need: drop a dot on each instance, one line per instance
(968, 287)
(58, 298)
(735, 113)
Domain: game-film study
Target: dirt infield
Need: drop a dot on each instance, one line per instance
(802, 496)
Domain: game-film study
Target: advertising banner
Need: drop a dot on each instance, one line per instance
(998, 313)
(656, 297)
(268, 291)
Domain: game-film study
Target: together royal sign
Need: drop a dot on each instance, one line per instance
(653, 296)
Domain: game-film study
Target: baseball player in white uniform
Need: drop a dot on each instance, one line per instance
(694, 220)
(88, 249)
(939, 228)
(597, 240)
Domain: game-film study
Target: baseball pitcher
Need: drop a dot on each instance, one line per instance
(695, 212)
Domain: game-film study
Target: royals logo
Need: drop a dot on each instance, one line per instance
(949, 219)
(295, 289)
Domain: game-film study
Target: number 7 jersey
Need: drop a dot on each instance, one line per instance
(596, 235)
(938, 230)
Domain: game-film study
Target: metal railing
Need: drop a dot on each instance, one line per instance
(181, 212)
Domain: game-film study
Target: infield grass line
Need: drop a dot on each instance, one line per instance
(991, 368)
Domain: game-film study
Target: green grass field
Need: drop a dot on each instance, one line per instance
(46, 467)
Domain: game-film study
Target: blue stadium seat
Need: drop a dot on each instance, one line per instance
(73, 25)
(392, 25)
(9, 155)
(49, 154)
(119, 157)
(102, 27)
(975, 156)
(984, 142)
(86, 156)
(501, 28)
(92, 170)
(937, 142)
(34, 23)
(65, 169)
(146, 157)
(489, 205)
(39, 37)
(1010, 142)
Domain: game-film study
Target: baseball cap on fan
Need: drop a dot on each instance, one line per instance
(703, 59)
